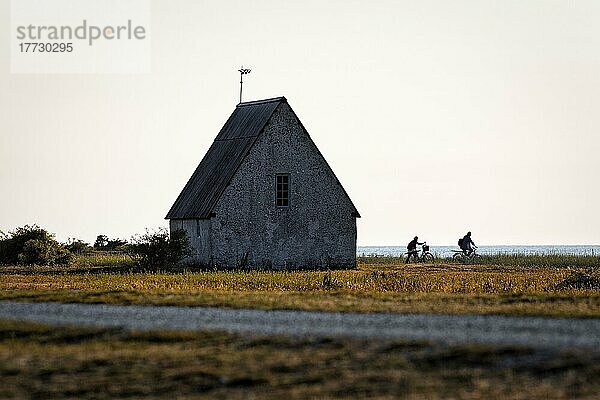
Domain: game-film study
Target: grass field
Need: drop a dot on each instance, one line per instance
(380, 286)
(509, 260)
(103, 258)
(38, 361)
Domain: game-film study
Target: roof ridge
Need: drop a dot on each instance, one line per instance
(263, 101)
(227, 153)
(222, 160)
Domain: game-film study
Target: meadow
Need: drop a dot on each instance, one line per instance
(588, 261)
(558, 286)
(38, 361)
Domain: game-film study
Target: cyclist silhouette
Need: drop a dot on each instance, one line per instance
(467, 244)
(412, 248)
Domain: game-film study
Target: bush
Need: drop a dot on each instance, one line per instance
(32, 245)
(158, 250)
(579, 280)
(104, 243)
(76, 246)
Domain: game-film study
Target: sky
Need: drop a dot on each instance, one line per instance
(438, 117)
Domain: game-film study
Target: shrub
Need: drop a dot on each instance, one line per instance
(104, 243)
(579, 280)
(158, 250)
(32, 245)
(77, 246)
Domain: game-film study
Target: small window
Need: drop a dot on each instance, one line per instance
(282, 190)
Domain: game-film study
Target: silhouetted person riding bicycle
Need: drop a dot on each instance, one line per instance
(412, 249)
(467, 244)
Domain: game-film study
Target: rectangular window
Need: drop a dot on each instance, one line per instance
(282, 190)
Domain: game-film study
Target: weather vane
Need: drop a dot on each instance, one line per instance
(243, 71)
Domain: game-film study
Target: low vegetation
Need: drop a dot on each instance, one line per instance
(30, 245)
(38, 361)
(543, 260)
(160, 250)
(507, 260)
(147, 271)
(95, 261)
(33, 246)
(440, 288)
(104, 243)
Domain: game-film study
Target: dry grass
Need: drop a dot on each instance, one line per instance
(103, 258)
(370, 288)
(477, 279)
(510, 260)
(37, 361)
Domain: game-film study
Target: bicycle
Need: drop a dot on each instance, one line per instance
(425, 256)
(471, 258)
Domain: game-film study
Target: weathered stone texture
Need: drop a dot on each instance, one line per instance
(318, 229)
(198, 232)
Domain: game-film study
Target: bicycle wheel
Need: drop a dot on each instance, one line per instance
(428, 257)
(458, 257)
(475, 258)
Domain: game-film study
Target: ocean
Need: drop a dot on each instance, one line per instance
(446, 251)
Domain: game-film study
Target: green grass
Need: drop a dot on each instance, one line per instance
(38, 361)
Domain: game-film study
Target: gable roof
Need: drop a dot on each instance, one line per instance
(224, 157)
(200, 195)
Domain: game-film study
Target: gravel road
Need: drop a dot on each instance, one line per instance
(527, 331)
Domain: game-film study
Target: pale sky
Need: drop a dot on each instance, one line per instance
(438, 117)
